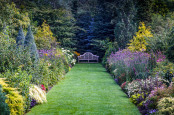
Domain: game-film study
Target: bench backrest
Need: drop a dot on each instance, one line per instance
(88, 55)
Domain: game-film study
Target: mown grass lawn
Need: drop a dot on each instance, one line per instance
(87, 90)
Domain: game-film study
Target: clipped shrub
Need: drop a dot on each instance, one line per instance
(37, 94)
(14, 99)
(4, 109)
(166, 106)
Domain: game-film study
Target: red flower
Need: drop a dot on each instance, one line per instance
(123, 85)
(43, 87)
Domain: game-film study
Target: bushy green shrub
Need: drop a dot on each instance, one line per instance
(164, 69)
(6, 57)
(21, 80)
(4, 109)
(170, 53)
(166, 106)
(112, 48)
(162, 30)
(14, 99)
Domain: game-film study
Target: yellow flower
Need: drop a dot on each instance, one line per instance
(46, 54)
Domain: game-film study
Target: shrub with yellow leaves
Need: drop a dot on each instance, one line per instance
(14, 99)
(138, 43)
(166, 106)
(44, 37)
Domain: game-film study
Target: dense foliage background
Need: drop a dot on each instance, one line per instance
(41, 39)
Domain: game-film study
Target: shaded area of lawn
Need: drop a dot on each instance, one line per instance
(87, 89)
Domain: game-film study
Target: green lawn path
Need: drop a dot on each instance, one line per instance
(86, 90)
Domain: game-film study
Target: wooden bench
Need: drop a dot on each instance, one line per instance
(89, 57)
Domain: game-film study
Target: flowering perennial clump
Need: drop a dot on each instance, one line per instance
(147, 85)
(37, 94)
(131, 65)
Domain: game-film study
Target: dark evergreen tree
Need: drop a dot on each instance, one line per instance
(170, 50)
(4, 109)
(20, 38)
(97, 26)
(90, 36)
(29, 44)
(83, 21)
(62, 24)
(74, 8)
(144, 10)
(125, 26)
(103, 26)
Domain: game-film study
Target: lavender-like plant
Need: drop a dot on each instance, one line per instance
(133, 64)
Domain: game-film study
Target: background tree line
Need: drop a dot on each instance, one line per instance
(88, 25)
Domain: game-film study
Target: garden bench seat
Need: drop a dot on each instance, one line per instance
(88, 57)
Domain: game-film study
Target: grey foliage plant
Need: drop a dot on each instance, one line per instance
(29, 44)
(20, 38)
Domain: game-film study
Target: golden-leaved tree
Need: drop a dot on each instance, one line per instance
(139, 41)
(44, 37)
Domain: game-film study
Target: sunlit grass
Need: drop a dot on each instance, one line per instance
(87, 89)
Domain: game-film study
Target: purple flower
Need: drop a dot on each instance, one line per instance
(116, 80)
(152, 111)
(33, 103)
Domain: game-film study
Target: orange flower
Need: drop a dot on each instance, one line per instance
(76, 53)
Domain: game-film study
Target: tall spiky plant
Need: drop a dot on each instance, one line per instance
(29, 44)
(20, 38)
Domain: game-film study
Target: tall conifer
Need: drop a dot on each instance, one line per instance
(29, 43)
(20, 38)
